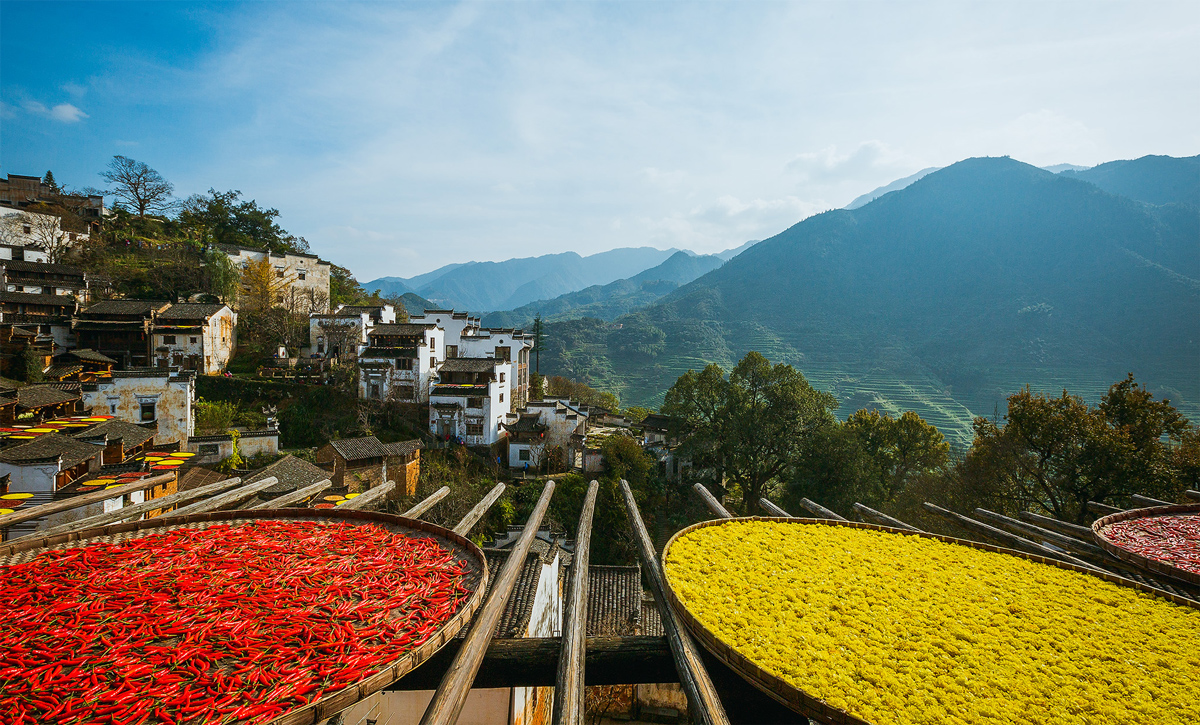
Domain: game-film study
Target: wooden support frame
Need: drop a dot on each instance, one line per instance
(129, 512)
(703, 702)
(772, 509)
(883, 519)
(711, 502)
(229, 498)
(371, 498)
(474, 515)
(1147, 502)
(820, 511)
(1193, 495)
(1019, 543)
(74, 502)
(1062, 541)
(451, 694)
(1101, 509)
(1075, 531)
(419, 510)
(287, 499)
(568, 707)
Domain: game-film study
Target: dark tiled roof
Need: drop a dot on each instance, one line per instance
(403, 448)
(37, 396)
(50, 446)
(23, 266)
(190, 311)
(515, 620)
(356, 449)
(32, 299)
(651, 624)
(400, 329)
(126, 307)
(527, 423)
(11, 384)
(198, 476)
(654, 421)
(350, 309)
(292, 472)
(91, 356)
(129, 434)
(614, 600)
(470, 365)
(61, 371)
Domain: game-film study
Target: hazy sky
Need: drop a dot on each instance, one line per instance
(400, 137)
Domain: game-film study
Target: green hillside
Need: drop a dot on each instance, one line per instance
(942, 298)
(1152, 179)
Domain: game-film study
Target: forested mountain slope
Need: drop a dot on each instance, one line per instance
(941, 298)
(1152, 179)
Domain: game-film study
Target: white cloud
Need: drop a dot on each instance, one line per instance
(729, 221)
(829, 164)
(1044, 137)
(65, 112)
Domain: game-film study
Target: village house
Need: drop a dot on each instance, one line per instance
(89, 361)
(40, 278)
(293, 474)
(339, 335)
(47, 316)
(22, 252)
(147, 396)
(119, 440)
(48, 463)
(216, 447)
(400, 362)
(363, 463)
(39, 402)
(307, 274)
(546, 430)
(470, 400)
(465, 338)
(22, 192)
(120, 329)
(199, 337)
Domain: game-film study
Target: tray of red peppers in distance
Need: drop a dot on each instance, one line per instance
(276, 616)
(1160, 539)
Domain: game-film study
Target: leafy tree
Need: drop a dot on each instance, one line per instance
(136, 184)
(898, 447)
(637, 413)
(749, 428)
(48, 180)
(561, 387)
(222, 217)
(29, 366)
(344, 289)
(262, 287)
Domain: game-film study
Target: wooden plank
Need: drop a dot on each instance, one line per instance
(1010, 540)
(129, 512)
(1193, 495)
(224, 500)
(568, 707)
(451, 694)
(417, 511)
(287, 499)
(36, 512)
(474, 515)
(703, 703)
(1075, 531)
(371, 498)
(1101, 509)
(820, 510)
(1146, 501)
(772, 509)
(883, 519)
(711, 502)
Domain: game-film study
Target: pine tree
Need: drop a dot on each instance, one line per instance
(49, 181)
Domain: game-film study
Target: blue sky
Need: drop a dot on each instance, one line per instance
(398, 137)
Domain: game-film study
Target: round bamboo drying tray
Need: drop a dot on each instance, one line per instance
(795, 698)
(334, 702)
(1152, 566)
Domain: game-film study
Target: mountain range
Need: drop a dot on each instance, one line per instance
(943, 297)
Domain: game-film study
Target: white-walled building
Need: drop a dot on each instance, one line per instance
(342, 333)
(200, 337)
(543, 426)
(400, 362)
(471, 399)
(146, 396)
(465, 338)
(308, 274)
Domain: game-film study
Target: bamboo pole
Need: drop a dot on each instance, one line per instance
(229, 498)
(74, 502)
(773, 509)
(468, 522)
(711, 502)
(417, 511)
(883, 519)
(370, 498)
(1063, 541)
(287, 499)
(128, 512)
(568, 684)
(1010, 540)
(703, 703)
(1075, 531)
(1193, 495)
(451, 694)
(1146, 501)
(1101, 509)
(820, 511)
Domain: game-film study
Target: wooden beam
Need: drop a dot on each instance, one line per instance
(820, 511)
(371, 498)
(224, 500)
(568, 707)
(417, 511)
(772, 509)
(129, 512)
(1146, 501)
(883, 519)
(451, 694)
(1010, 540)
(711, 502)
(36, 512)
(287, 499)
(1193, 495)
(474, 515)
(1063, 541)
(1075, 531)
(1101, 509)
(703, 703)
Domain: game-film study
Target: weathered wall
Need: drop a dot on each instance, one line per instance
(123, 394)
(30, 479)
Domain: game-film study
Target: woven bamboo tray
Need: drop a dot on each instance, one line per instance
(796, 699)
(332, 703)
(1152, 566)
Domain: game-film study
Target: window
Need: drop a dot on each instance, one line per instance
(168, 339)
(148, 410)
(210, 449)
(432, 345)
(501, 397)
(112, 407)
(27, 229)
(523, 454)
(404, 363)
(300, 276)
(432, 362)
(375, 390)
(504, 353)
(451, 351)
(404, 392)
(279, 273)
(474, 402)
(501, 377)
(474, 429)
(192, 340)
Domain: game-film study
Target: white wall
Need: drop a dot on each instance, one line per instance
(30, 479)
(173, 396)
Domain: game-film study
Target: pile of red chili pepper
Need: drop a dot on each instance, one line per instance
(1173, 540)
(232, 623)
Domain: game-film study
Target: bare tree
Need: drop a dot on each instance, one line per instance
(138, 185)
(41, 230)
(12, 230)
